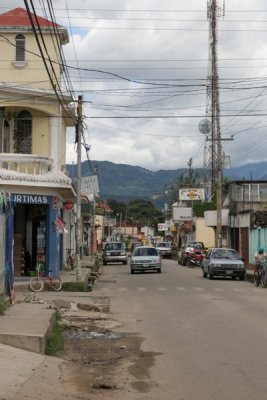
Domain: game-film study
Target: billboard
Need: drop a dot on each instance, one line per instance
(192, 194)
(180, 214)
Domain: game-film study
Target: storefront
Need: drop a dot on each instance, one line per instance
(38, 228)
(6, 246)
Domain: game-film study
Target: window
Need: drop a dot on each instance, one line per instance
(20, 48)
(23, 133)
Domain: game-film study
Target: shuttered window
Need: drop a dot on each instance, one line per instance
(20, 48)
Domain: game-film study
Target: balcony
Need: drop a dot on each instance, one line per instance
(32, 170)
(25, 163)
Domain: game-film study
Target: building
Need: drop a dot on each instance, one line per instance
(34, 116)
(244, 218)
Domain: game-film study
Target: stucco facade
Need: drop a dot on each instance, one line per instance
(34, 116)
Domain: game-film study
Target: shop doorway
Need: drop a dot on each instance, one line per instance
(30, 241)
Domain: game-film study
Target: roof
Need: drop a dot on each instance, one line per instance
(18, 19)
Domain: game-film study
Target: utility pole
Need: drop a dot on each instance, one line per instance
(79, 129)
(214, 111)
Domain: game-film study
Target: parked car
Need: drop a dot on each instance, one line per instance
(114, 252)
(223, 262)
(145, 258)
(164, 249)
(188, 248)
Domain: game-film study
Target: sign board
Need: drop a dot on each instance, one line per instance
(89, 185)
(180, 214)
(162, 227)
(191, 194)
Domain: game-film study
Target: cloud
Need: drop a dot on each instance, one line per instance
(151, 117)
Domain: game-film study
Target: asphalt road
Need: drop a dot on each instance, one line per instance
(210, 336)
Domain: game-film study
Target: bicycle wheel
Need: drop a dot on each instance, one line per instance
(56, 283)
(256, 278)
(263, 279)
(36, 284)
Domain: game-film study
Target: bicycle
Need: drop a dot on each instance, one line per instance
(38, 282)
(260, 276)
(70, 261)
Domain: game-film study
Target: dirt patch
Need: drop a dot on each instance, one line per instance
(99, 361)
(106, 361)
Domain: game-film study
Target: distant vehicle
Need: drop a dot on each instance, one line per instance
(145, 258)
(164, 249)
(114, 252)
(223, 262)
(188, 248)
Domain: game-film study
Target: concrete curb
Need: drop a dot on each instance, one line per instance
(27, 326)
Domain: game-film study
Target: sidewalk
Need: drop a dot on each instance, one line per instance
(25, 327)
(21, 284)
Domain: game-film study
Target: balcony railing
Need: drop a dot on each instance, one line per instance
(26, 163)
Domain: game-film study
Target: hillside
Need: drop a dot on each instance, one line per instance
(124, 182)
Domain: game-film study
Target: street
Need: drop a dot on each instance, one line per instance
(207, 337)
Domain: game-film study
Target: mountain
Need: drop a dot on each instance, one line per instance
(122, 182)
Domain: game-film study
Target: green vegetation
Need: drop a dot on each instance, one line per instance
(75, 286)
(55, 341)
(140, 212)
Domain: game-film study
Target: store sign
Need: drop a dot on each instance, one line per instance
(191, 194)
(30, 199)
(162, 227)
(89, 185)
(180, 214)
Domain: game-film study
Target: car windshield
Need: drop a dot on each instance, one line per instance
(145, 251)
(163, 244)
(114, 246)
(225, 254)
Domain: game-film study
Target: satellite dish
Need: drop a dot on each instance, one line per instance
(204, 126)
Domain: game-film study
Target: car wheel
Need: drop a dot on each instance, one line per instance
(132, 271)
(124, 262)
(242, 277)
(104, 263)
(204, 274)
(210, 276)
(159, 271)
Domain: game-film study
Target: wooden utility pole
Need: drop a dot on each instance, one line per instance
(216, 148)
(79, 129)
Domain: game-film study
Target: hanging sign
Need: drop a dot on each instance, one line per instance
(68, 205)
(60, 225)
(89, 185)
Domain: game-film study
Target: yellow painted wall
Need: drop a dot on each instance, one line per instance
(33, 73)
(40, 138)
(204, 234)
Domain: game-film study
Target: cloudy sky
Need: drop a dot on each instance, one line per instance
(142, 67)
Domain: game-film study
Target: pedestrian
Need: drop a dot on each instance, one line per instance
(260, 257)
